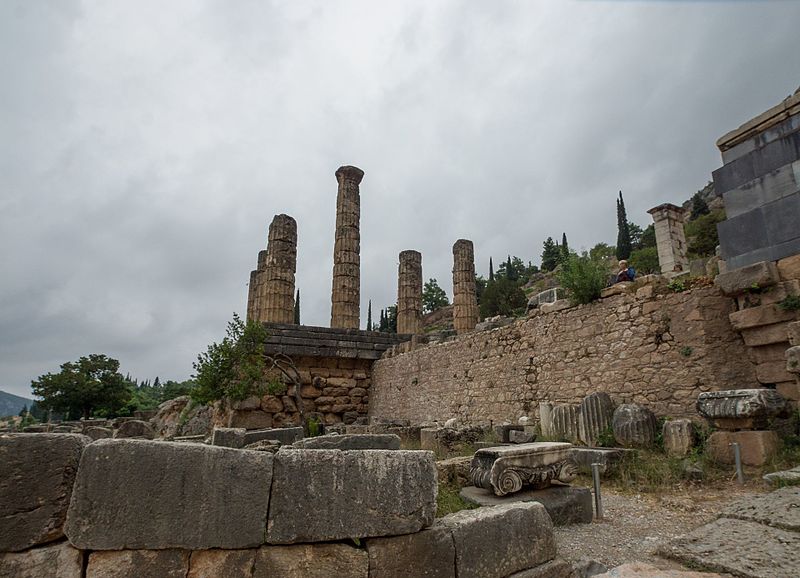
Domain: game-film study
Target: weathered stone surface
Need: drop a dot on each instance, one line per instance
(465, 304)
(789, 267)
(791, 476)
(608, 458)
(739, 547)
(794, 332)
(498, 541)
(409, 293)
(350, 442)
(793, 359)
(596, 412)
(779, 509)
(758, 316)
(740, 408)
(521, 437)
(506, 469)
(737, 281)
(135, 428)
(553, 569)
(175, 496)
(454, 471)
(668, 222)
(634, 426)
(37, 472)
(138, 564)
(615, 289)
(565, 504)
(379, 493)
(430, 552)
(757, 447)
(222, 564)
(345, 299)
(228, 437)
(286, 435)
(249, 419)
(55, 561)
(503, 431)
(559, 305)
(642, 570)
(311, 561)
(678, 435)
(272, 299)
(564, 423)
(99, 433)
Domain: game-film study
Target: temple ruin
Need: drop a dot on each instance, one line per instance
(409, 293)
(346, 293)
(465, 302)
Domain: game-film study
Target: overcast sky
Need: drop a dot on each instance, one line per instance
(146, 145)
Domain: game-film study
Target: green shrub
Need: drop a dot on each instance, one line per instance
(449, 501)
(701, 234)
(677, 286)
(583, 278)
(645, 261)
(790, 303)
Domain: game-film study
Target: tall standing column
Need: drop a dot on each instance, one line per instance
(465, 302)
(346, 292)
(670, 238)
(276, 287)
(409, 293)
(254, 288)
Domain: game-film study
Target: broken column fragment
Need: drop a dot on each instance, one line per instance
(346, 294)
(670, 238)
(276, 288)
(465, 302)
(409, 293)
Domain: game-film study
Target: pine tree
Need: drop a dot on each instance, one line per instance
(297, 308)
(564, 248)
(623, 231)
(511, 272)
(550, 255)
(369, 316)
(491, 270)
(699, 207)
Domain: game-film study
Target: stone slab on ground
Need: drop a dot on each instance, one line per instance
(285, 435)
(55, 561)
(228, 437)
(552, 569)
(350, 442)
(139, 494)
(498, 541)
(37, 472)
(565, 504)
(138, 564)
(739, 547)
(608, 458)
(641, 570)
(377, 493)
(780, 509)
(791, 476)
(430, 552)
(311, 561)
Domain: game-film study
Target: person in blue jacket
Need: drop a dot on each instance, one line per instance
(625, 273)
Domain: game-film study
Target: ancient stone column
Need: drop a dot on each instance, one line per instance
(670, 238)
(409, 293)
(465, 303)
(275, 303)
(254, 288)
(345, 296)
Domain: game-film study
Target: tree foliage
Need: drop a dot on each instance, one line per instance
(91, 384)
(623, 230)
(645, 261)
(699, 207)
(583, 278)
(234, 368)
(701, 234)
(550, 255)
(502, 297)
(433, 296)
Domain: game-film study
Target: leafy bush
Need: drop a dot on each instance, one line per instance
(790, 303)
(645, 261)
(583, 278)
(502, 297)
(702, 236)
(235, 367)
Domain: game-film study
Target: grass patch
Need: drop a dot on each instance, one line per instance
(448, 501)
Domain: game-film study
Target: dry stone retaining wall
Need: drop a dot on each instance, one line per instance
(660, 351)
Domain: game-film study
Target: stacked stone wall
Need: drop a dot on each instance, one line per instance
(661, 351)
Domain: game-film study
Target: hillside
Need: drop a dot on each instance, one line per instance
(11, 404)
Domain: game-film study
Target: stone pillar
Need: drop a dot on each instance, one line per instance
(254, 288)
(465, 303)
(275, 303)
(670, 238)
(346, 293)
(409, 293)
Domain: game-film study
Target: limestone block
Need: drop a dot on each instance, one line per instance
(135, 428)
(634, 426)
(138, 564)
(222, 563)
(37, 473)
(779, 509)
(786, 477)
(740, 408)
(429, 438)
(99, 433)
(737, 281)
(738, 547)
(564, 422)
(250, 419)
(794, 333)
(430, 552)
(642, 570)
(285, 435)
(773, 372)
(790, 390)
(596, 412)
(506, 469)
(311, 561)
(546, 419)
(378, 493)
(228, 437)
(678, 435)
(554, 569)
(351, 442)
(559, 305)
(758, 316)
(793, 359)
(503, 431)
(454, 471)
(54, 561)
(521, 437)
(608, 458)
(757, 447)
(498, 541)
(564, 504)
(615, 289)
(765, 335)
(163, 485)
(789, 268)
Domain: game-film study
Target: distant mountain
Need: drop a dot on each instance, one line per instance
(11, 404)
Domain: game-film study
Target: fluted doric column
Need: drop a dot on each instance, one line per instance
(346, 292)
(409, 293)
(272, 287)
(465, 302)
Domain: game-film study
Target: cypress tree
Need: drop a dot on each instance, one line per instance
(297, 308)
(369, 316)
(699, 207)
(491, 270)
(564, 248)
(550, 255)
(511, 273)
(623, 231)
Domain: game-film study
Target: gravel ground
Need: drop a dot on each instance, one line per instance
(634, 524)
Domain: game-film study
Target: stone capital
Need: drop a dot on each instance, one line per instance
(349, 173)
